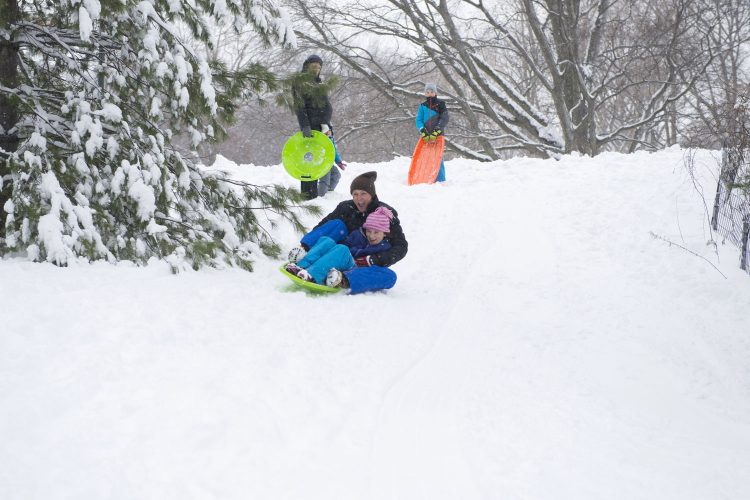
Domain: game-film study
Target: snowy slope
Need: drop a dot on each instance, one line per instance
(539, 344)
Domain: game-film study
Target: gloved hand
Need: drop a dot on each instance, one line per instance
(306, 132)
(424, 133)
(341, 165)
(437, 132)
(324, 128)
(365, 261)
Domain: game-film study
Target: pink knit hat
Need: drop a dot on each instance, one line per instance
(379, 220)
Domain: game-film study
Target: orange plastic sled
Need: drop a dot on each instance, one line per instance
(425, 162)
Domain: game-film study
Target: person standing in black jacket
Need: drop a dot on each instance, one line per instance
(313, 109)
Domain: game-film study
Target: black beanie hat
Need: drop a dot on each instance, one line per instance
(365, 182)
(314, 58)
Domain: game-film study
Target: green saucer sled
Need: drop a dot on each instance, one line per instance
(308, 285)
(308, 158)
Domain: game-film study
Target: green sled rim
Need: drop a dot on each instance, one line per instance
(308, 158)
(314, 287)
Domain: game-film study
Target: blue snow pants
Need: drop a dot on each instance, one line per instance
(334, 229)
(370, 279)
(361, 279)
(441, 173)
(324, 255)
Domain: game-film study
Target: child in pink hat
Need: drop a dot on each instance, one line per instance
(379, 220)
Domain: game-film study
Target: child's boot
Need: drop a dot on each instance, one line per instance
(296, 254)
(336, 279)
(302, 273)
(292, 268)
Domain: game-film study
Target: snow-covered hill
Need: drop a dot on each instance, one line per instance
(540, 344)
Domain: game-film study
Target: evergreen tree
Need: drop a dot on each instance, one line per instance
(102, 88)
(297, 85)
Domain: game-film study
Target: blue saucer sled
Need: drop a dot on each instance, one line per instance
(308, 285)
(308, 158)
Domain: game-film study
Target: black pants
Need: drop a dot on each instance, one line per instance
(310, 188)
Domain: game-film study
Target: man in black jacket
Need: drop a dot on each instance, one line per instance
(313, 109)
(372, 271)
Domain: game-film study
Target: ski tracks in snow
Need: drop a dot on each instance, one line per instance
(419, 448)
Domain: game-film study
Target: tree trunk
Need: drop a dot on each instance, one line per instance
(8, 75)
(8, 110)
(574, 107)
(578, 127)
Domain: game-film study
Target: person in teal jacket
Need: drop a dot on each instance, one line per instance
(432, 117)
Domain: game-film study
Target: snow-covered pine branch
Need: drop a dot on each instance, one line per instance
(99, 95)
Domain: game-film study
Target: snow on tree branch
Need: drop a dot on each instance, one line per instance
(101, 94)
